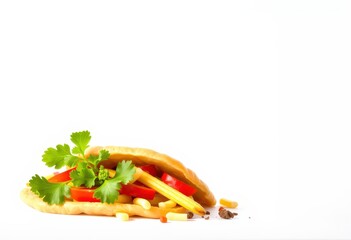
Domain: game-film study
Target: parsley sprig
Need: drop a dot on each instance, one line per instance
(88, 172)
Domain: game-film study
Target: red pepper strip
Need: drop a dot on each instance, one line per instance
(137, 191)
(178, 185)
(61, 177)
(83, 194)
(151, 169)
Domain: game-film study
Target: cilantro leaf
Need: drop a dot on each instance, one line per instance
(81, 166)
(71, 160)
(108, 191)
(83, 176)
(103, 155)
(81, 140)
(125, 171)
(52, 193)
(58, 157)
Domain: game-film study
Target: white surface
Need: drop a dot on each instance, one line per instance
(254, 96)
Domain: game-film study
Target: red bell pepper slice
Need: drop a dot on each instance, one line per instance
(178, 184)
(150, 168)
(83, 194)
(61, 177)
(138, 191)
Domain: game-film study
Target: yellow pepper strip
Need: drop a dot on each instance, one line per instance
(171, 193)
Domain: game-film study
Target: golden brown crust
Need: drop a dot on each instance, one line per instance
(91, 208)
(142, 156)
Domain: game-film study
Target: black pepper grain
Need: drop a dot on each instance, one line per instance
(190, 215)
(224, 213)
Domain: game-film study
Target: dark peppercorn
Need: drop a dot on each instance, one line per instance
(224, 213)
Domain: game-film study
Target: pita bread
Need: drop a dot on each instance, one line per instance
(142, 156)
(139, 156)
(92, 208)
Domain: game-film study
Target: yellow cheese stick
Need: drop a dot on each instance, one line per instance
(171, 193)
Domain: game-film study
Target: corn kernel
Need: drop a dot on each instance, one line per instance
(228, 203)
(176, 216)
(167, 204)
(122, 216)
(142, 202)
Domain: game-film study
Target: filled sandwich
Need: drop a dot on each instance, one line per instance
(111, 180)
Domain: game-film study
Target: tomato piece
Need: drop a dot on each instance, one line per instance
(151, 169)
(61, 177)
(178, 184)
(83, 194)
(138, 191)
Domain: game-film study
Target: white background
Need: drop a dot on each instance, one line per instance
(254, 96)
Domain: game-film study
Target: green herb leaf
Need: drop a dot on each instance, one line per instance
(58, 157)
(95, 160)
(52, 193)
(124, 172)
(103, 155)
(83, 176)
(108, 191)
(81, 140)
(71, 160)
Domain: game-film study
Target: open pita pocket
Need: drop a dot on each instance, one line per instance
(142, 156)
(139, 157)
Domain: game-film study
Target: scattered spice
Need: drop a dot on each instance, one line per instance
(207, 215)
(226, 214)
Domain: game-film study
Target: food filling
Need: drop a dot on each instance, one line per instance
(87, 180)
(134, 192)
